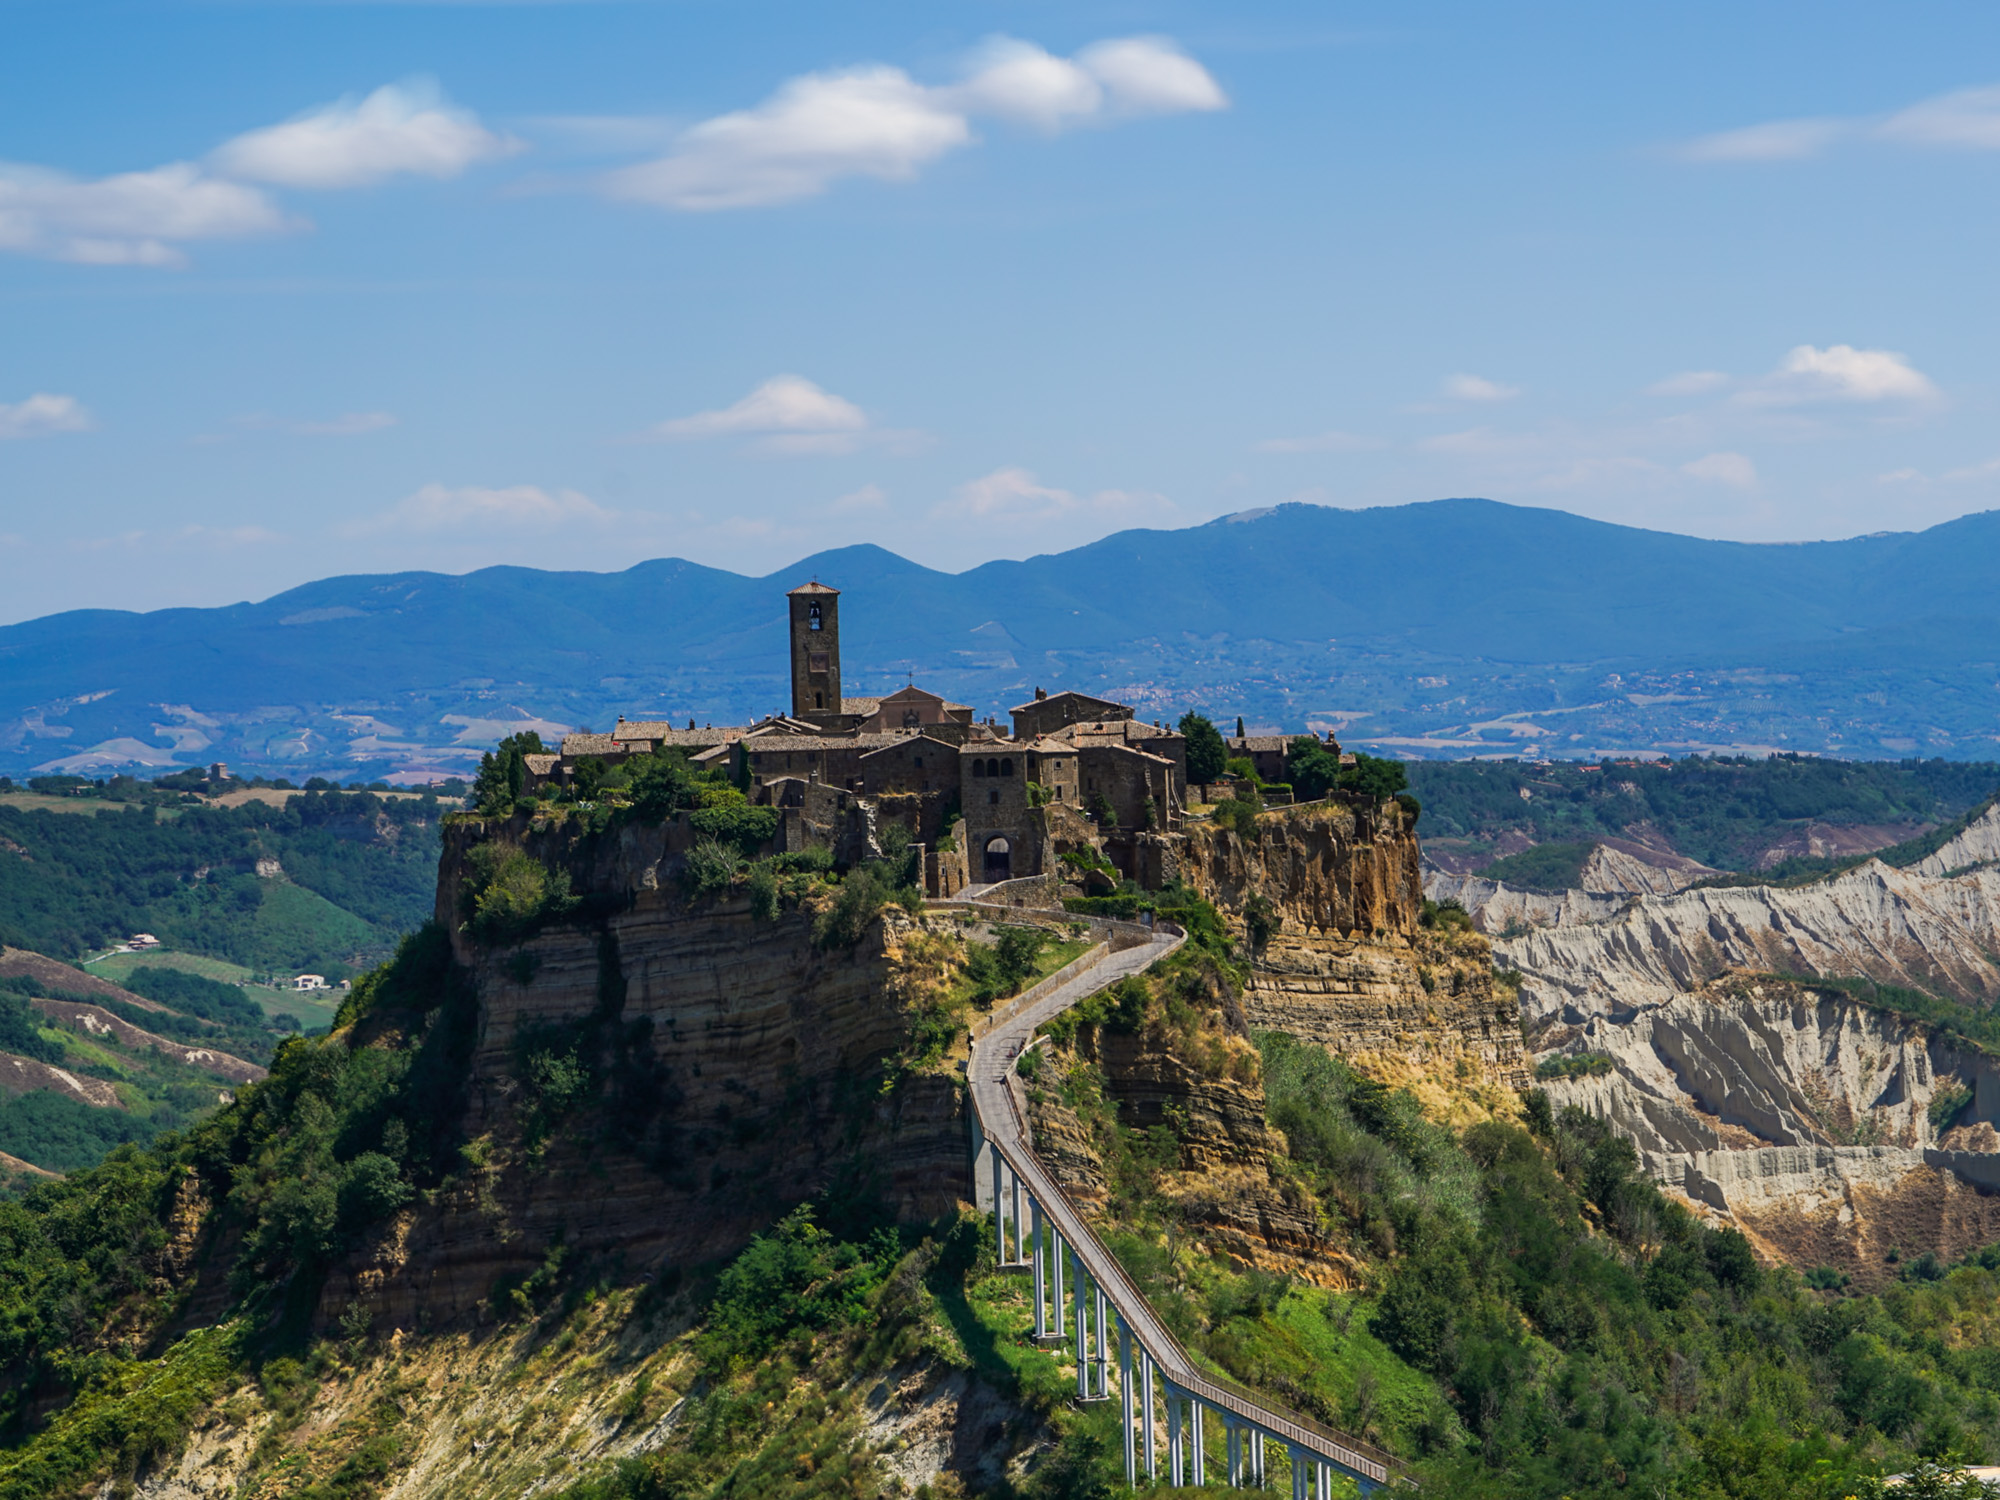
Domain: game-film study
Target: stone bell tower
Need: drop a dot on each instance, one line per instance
(815, 610)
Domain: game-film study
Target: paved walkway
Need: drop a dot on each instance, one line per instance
(1000, 1118)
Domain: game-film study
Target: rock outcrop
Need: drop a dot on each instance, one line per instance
(738, 1071)
(1797, 1111)
(1345, 960)
(1894, 926)
(1978, 844)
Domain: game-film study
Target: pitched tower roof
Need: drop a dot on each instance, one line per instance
(815, 587)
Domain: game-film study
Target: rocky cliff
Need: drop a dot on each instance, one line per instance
(1800, 1113)
(1894, 926)
(1812, 1122)
(1328, 901)
(651, 1081)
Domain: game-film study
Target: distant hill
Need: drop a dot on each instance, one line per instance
(1451, 628)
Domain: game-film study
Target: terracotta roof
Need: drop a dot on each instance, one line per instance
(1122, 731)
(541, 765)
(665, 732)
(815, 587)
(1022, 708)
(905, 739)
(862, 706)
(800, 743)
(1258, 741)
(589, 744)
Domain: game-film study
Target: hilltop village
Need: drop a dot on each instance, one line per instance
(1072, 772)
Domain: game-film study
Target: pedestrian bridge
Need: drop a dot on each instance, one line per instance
(1170, 1408)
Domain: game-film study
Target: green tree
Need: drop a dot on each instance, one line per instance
(1206, 752)
(504, 771)
(1314, 771)
(1374, 776)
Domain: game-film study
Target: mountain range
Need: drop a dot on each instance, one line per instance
(1446, 628)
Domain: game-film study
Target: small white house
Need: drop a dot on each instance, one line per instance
(309, 982)
(142, 940)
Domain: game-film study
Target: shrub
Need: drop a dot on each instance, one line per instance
(744, 828)
(710, 867)
(1947, 1104)
(1016, 950)
(1237, 815)
(1574, 1065)
(763, 888)
(856, 905)
(509, 895)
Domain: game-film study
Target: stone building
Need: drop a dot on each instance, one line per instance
(841, 769)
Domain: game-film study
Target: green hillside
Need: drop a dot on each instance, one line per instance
(353, 871)
(1724, 812)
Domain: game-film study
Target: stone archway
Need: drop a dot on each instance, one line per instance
(999, 860)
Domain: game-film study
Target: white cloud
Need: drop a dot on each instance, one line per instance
(1968, 119)
(868, 498)
(1724, 468)
(132, 218)
(1988, 470)
(1473, 388)
(1689, 383)
(350, 424)
(868, 122)
(406, 127)
(1020, 81)
(1323, 442)
(877, 121)
(1780, 140)
(1840, 372)
(1150, 75)
(1016, 495)
(438, 507)
(788, 406)
(42, 414)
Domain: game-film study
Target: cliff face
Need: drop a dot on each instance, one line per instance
(1895, 926)
(1349, 964)
(1218, 1181)
(655, 1083)
(1802, 1117)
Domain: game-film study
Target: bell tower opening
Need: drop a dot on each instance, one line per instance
(815, 626)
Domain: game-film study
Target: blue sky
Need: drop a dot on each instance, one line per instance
(291, 289)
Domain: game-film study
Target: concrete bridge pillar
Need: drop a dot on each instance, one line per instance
(1126, 1403)
(1041, 1273)
(1232, 1463)
(1258, 1479)
(1082, 1325)
(1176, 1442)
(1146, 1408)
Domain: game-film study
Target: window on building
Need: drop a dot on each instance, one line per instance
(993, 768)
(1007, 767)
(979, 768)
(917, 761)
(812, 618)
(993, 799)
(819, 700)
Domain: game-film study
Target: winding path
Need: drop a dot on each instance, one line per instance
(1247, 1419)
